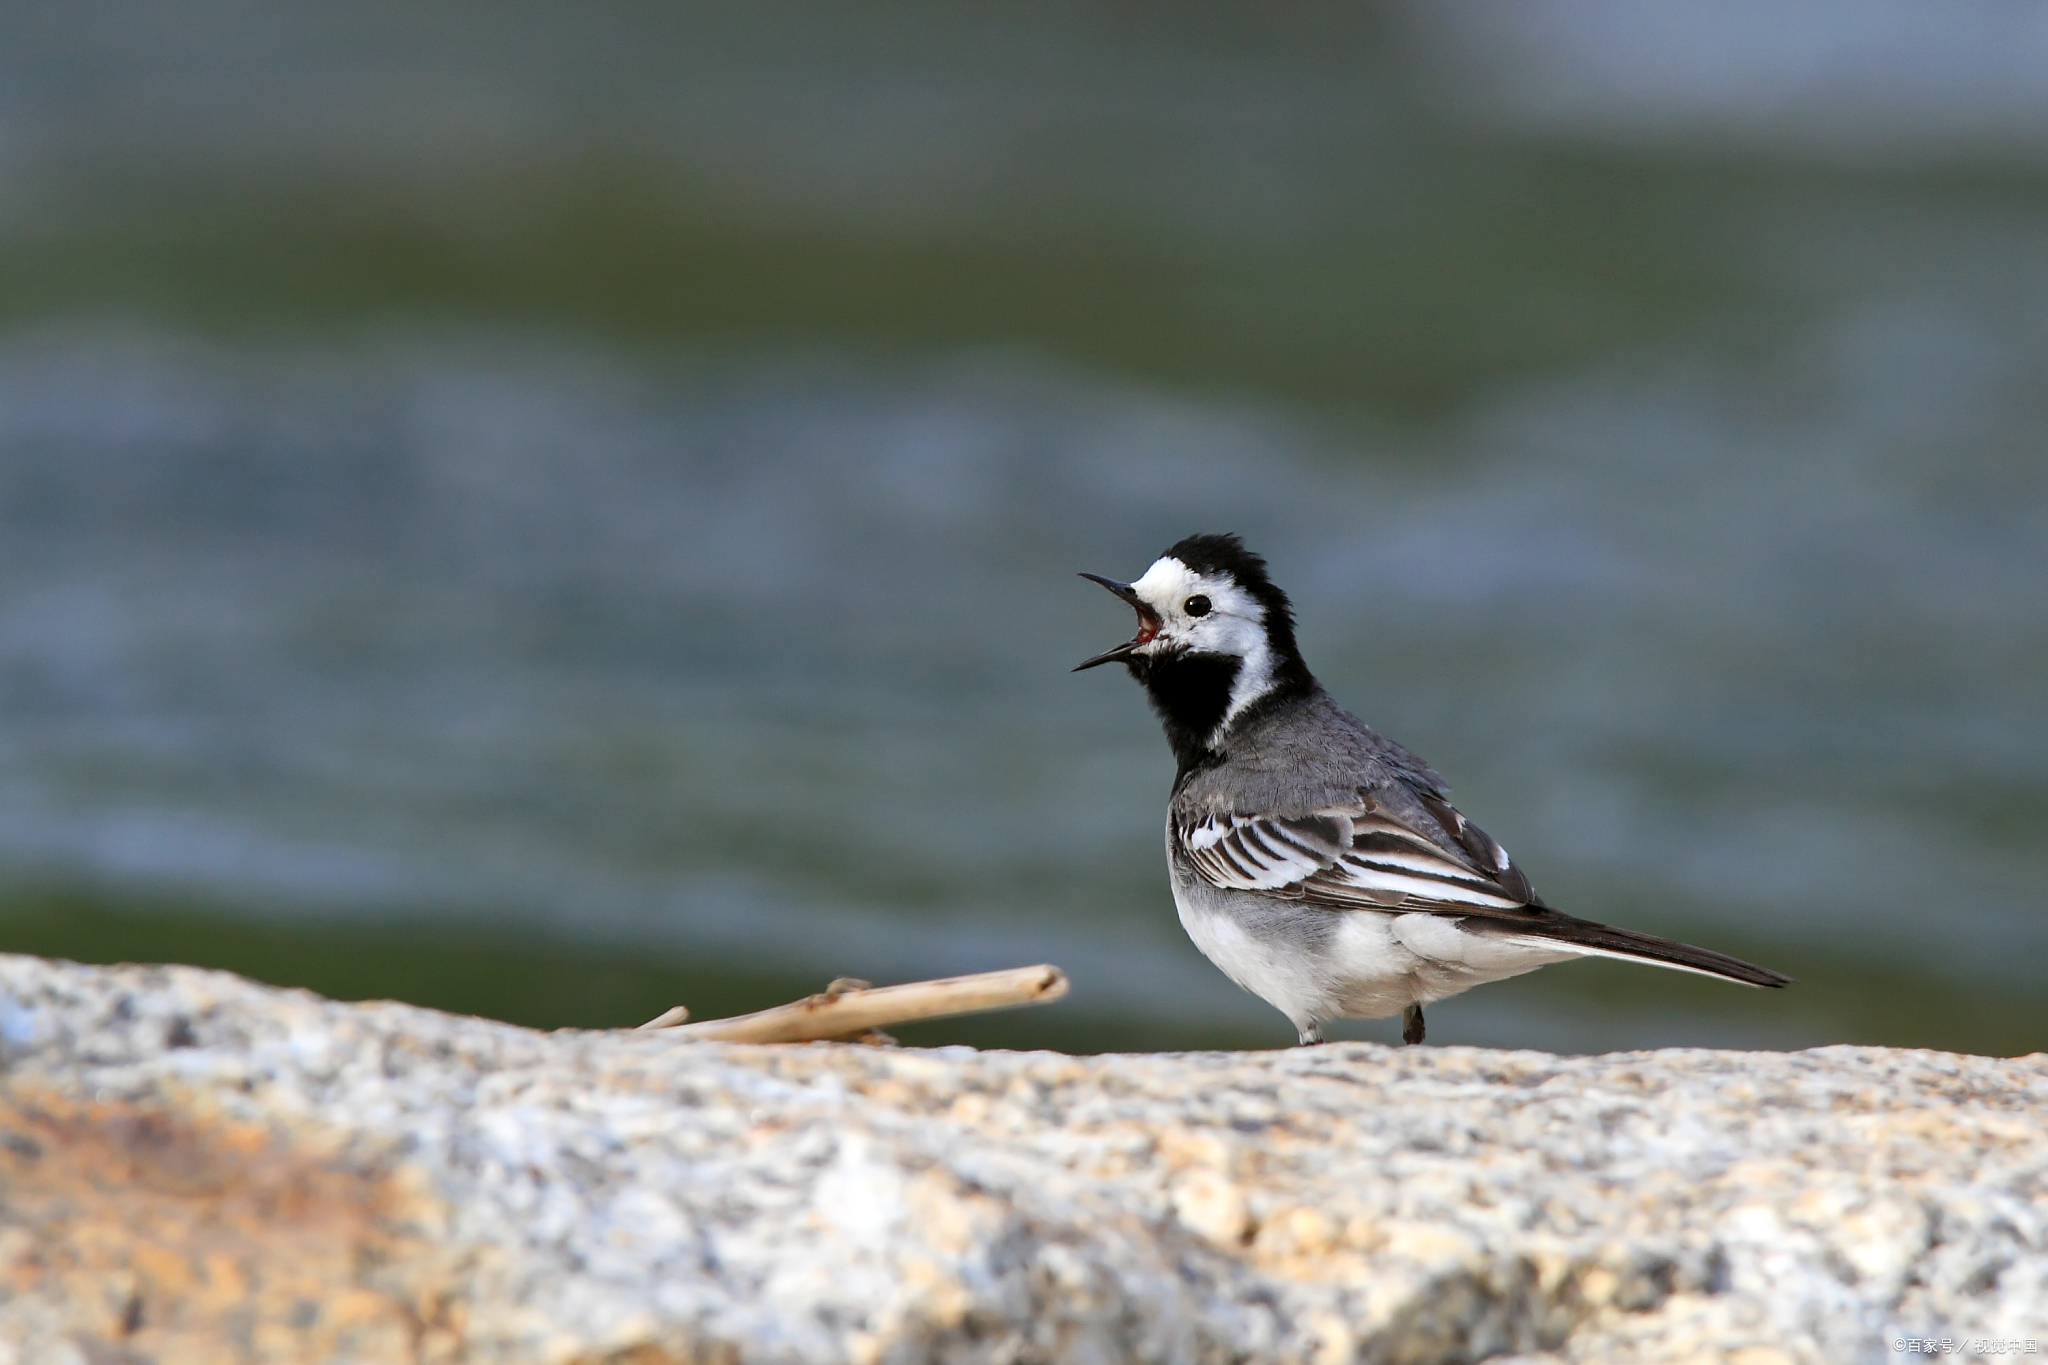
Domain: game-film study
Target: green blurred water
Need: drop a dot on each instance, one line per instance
(556, 518)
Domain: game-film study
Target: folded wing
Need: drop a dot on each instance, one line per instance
(1364, 857)
(1354, 858)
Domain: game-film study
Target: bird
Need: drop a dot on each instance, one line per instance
(1318, 863)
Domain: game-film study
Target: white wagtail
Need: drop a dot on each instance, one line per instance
(1318, 863)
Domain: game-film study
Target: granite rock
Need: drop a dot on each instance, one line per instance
(194, 1168)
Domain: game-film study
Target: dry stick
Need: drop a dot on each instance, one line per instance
(837, 1014)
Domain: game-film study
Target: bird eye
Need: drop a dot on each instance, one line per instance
(1197, 605)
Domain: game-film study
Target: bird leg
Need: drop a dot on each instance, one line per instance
(1310, 1033)
(1411, 1024)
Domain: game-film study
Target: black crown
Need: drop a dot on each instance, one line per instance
(1226, 555)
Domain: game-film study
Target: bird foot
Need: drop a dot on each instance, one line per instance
(1310, 1034)
(1411, 1024)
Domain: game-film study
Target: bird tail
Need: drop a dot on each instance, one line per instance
(1583, 936)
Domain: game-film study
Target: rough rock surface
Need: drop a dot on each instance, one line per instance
(197, 1169)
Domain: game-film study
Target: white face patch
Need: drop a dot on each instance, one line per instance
(1235, 624)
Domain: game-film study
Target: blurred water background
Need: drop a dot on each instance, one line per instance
(555, 511)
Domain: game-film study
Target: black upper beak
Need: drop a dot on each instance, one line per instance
(1148, 622)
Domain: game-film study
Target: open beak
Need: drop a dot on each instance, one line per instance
(1148, 623)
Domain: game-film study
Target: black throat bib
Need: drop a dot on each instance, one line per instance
(1190, 692)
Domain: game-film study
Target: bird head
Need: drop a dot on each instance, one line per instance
(1207, 595)
(1214, 634)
